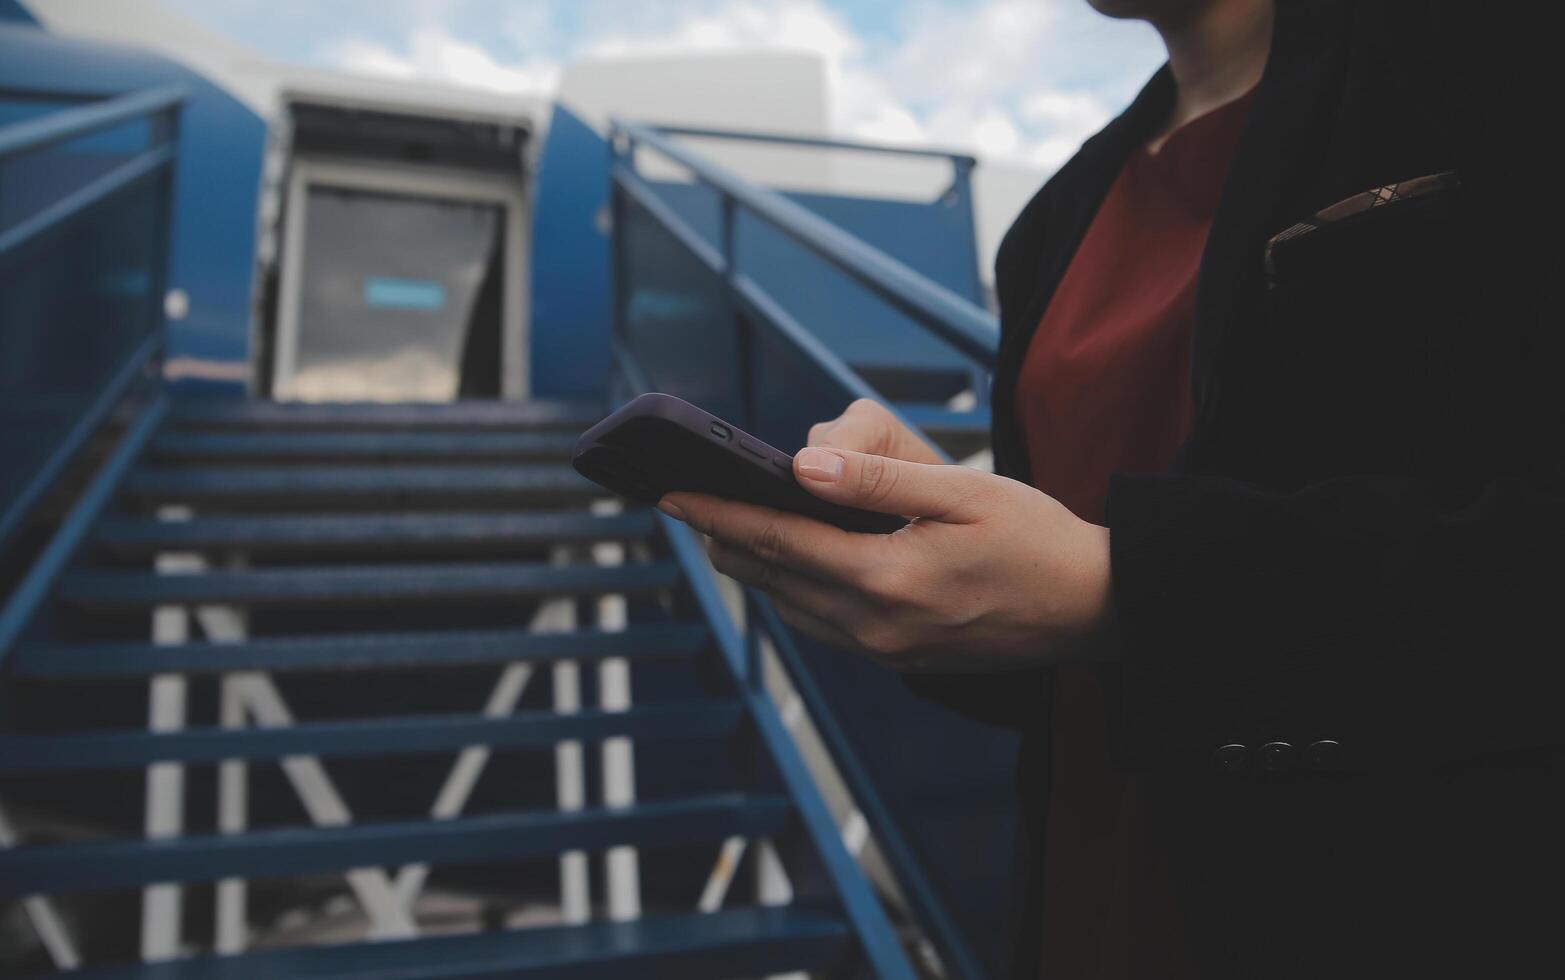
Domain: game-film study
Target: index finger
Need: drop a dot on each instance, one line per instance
(778, 537)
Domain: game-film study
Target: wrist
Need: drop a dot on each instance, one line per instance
(1092, 633)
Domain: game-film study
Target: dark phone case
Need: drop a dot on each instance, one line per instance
(656, 444)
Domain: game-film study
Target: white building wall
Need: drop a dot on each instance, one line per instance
(778, 92)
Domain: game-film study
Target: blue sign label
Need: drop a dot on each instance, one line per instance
(403, 294)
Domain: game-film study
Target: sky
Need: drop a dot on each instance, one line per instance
(1019, 81)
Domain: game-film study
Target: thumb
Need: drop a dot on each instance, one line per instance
(889, 486)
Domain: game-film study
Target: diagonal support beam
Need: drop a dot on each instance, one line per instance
(389, 916)
(41, 912)
(553, 616)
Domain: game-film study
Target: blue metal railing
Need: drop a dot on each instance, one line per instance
(750, 309)
(29, 595)
(962, 324)
(881, 948)
(85, 195)
(959, 193)
(159, 107)
(965, 162)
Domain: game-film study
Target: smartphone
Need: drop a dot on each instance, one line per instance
(656, 444)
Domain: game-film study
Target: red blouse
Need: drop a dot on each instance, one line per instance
(1105, 388)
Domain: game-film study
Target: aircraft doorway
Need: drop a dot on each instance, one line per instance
(400, 284)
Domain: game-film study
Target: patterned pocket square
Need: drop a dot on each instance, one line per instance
(1375, 197)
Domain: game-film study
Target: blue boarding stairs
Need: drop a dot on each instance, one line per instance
(383, 654)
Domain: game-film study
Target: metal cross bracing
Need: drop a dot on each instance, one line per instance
(278, 653)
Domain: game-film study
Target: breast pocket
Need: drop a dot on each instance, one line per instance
(1370, 303)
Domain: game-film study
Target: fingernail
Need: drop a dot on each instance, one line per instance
(819, 465)
(672, 510)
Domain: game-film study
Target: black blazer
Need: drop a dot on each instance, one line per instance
(1340, 614)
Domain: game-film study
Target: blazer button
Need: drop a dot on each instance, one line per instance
(1277, 756)
(1231, 758)
(1324, 754)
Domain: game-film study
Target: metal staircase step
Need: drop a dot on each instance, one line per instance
(244, 414)
(398, 534)
(307, 446)
(695, 946)
(383, 736)
(317, 586)
(106, 865)
(384, 486)
(355, 651)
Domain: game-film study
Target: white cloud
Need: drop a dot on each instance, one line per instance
(1067, 118)
(737, 25)
(368, 58)
(1071, 109)
(1017, 80)
(531, 27)
(863, 106)
(988, 131)
(977, 53)
(434, 55)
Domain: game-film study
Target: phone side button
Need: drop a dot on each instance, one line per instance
(783, 463)
(753, 448)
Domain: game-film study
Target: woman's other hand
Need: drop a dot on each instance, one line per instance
(990, 574)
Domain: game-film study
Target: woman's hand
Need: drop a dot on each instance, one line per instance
(990, 574)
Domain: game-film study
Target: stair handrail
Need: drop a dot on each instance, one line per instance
(957, 158)
(959, 322)
(880, 946)
(957, 958)
(82, 120)
(30, 594)
(160, 107)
